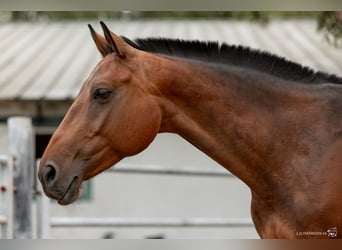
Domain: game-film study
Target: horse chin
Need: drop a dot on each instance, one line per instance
(72, 193)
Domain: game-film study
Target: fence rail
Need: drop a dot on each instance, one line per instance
(148, 222)
(157, 169)
(3, 219)
(3, 159)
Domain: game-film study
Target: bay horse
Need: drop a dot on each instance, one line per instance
(273, 123)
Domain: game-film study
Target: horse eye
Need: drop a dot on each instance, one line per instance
(102, 94)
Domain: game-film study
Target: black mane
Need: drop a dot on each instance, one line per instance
(234, 55)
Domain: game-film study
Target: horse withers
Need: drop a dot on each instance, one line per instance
(273, 123)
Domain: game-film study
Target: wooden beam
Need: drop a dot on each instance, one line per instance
(37, 109)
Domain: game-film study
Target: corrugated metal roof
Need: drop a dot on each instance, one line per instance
(50, 61)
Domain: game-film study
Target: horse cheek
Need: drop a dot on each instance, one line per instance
(144, 130)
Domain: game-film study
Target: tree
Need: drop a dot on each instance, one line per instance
(330, 23)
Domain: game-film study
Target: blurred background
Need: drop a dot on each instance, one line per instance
(328, 22)
(45, 58)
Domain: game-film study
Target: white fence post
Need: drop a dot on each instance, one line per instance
(6, 197)
(43, 211)
(21, 146)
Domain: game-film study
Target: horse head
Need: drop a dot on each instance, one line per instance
(114, 115)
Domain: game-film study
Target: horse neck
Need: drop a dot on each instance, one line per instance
(226, 114)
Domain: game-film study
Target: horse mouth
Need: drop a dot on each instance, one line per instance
(71, 193)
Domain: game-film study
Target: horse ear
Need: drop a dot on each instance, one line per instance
(118, 45)
(101, 43)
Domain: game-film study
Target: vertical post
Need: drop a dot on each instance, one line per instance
(43, 212)
(6, 197)
(10, 195)
(21, 146)
(3, 198)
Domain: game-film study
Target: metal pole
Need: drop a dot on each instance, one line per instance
(21, 147)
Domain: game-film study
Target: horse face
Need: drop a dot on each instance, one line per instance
(113, 116)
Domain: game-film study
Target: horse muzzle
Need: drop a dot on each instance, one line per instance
(63, 188)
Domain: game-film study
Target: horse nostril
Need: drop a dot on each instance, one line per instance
(49, 173)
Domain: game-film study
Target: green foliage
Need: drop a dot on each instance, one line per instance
(330, 23)
(259, 16)
(62, 15)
